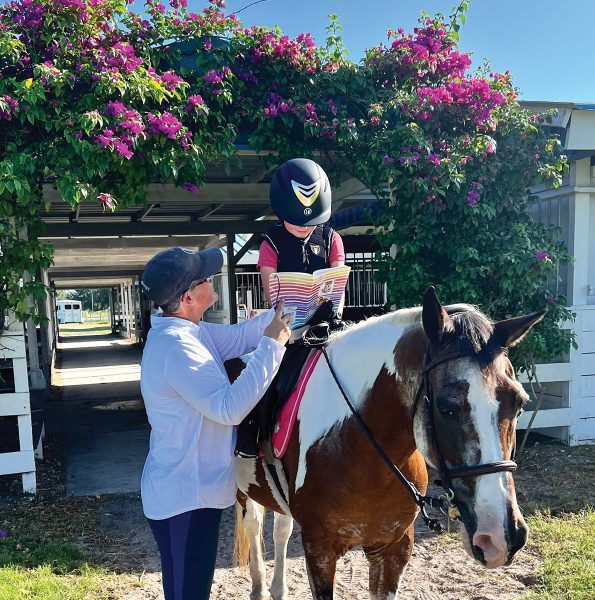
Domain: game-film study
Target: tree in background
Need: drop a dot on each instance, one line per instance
(92, 299)
(454, 158)
(98, 101)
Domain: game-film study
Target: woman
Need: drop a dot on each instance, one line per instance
(188, 478)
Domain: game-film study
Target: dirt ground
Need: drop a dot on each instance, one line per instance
(551, 476)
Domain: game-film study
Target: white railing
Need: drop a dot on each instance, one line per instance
(569, 402)
(15, 404)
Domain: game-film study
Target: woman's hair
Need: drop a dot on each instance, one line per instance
(173, 306)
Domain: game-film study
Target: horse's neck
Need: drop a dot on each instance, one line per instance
(363, 352)
(377, 364)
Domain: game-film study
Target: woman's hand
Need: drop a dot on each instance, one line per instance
(278, 329)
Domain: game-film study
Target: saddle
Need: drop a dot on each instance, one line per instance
(256, 430)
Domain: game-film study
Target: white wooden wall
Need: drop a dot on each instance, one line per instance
(17, 404)
(569, 410)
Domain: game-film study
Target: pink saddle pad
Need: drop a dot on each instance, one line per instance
(288, 414)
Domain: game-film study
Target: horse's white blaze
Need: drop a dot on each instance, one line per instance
(491, 491)
(357, 361)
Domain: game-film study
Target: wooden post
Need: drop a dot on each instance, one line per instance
(231, 277)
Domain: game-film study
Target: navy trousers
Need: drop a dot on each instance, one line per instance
(188, 547)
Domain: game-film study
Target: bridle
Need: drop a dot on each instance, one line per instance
(446, 474)
(426, 394)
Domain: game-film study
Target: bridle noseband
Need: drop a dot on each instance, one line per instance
(445, 473)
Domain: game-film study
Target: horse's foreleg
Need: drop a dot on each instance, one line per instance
(321, 564)
(253, 522)
(387, 565)
(281, 532)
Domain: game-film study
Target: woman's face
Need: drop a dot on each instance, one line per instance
(299, 231)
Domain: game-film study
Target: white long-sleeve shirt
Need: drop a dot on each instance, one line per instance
(192, 408)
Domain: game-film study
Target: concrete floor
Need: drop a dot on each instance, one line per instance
(97, 408)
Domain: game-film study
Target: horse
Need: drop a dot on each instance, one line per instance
(430, 384)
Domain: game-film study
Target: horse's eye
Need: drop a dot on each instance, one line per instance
(448, 409)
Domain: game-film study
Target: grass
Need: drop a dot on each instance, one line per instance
(42, 583)
(85, 329)
(566, 544)
(46, 556)
(49, 552)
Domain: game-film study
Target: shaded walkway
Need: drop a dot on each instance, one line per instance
(98, 411)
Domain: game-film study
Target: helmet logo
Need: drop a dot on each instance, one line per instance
(307, 212)
(306, 194)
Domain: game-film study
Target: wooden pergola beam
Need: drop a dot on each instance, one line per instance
(62, 230)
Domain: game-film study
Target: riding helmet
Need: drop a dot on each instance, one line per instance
(300, 193)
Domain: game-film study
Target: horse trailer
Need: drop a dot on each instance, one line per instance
(69, 311)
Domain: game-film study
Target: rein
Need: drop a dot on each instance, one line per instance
(445, 473)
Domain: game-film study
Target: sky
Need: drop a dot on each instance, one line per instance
(549, 47)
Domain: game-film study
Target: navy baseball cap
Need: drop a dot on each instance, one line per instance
(170, 273)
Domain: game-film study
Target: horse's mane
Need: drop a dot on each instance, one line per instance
(472, 332)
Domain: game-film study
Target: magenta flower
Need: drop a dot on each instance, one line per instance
(11, 105)
(191, 187)
(550, 299)
(171, 80)
(166, 124)
(122, 149)
(542, 255)
(3, 534)
(114, 109)
(195, 101)
(108, 201)
(472, 198)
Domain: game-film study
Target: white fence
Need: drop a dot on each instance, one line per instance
(15, 404)
(568, 408)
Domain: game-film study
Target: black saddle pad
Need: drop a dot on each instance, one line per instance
(259, 424)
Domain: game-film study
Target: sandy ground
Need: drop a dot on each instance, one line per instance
(439, 569)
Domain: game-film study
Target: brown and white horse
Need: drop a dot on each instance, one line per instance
(433, 385)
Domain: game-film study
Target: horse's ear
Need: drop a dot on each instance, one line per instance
(511, 331)
(434, 318)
